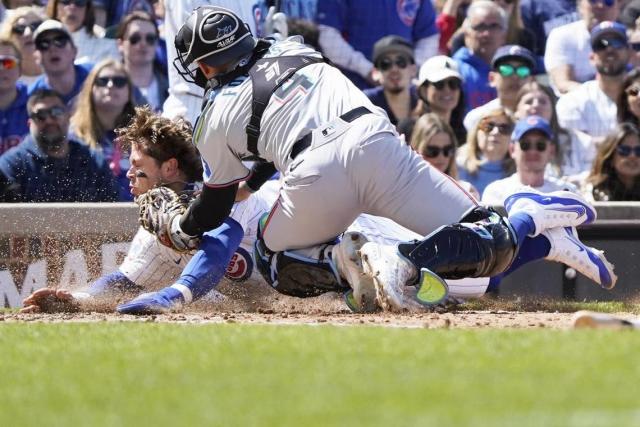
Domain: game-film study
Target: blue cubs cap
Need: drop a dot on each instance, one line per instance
(513, 51)
(529, 124)
(605, 28)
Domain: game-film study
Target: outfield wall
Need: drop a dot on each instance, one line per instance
(72, 244)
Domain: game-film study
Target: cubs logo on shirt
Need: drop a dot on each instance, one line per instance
(240, 267)
(407, 11)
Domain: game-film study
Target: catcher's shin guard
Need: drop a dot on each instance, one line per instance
(481, 245)
(295, 275)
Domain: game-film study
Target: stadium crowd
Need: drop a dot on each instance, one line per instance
(497, 94)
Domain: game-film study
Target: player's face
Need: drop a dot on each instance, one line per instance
(439, 151)
(110, 90)
(494, 134)
(9, 68)
(138, 45)
(72, 15)
(533, 152)
(625, 160)
(396, 72)
(144, 172)
(536, 103)
(442, 96)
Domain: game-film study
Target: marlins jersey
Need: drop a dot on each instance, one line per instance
(298, 107)
(153, 266)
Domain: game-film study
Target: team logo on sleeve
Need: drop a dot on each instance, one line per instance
(240, 267)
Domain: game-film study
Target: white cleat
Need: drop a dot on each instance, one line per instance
(361, 298)
(567, 248)
(551, 210)
(390, 273)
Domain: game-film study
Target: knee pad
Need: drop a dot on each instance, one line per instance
(481, 245)
(293, 275)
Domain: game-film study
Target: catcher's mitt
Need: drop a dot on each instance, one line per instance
(158, 208)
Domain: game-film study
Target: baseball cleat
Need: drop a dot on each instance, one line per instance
(361, 298)
(160, 302)
(551, 210)
(431, 288)
(390, 273)
(591, 319)
(567, 248)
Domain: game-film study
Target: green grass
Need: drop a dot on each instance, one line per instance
(244, 375)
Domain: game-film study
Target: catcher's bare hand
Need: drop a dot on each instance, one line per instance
(47, 300)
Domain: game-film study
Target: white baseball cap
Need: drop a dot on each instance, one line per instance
(438, 68)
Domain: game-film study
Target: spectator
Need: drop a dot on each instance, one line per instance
(49, 167)
(348, 31)
(634, 44)
(105, 103)
(485, 157)
(532, 149)
(56, 53)
(616, 170)
(112, 12)
(435, 141)
(484, 32)
(137, 40)
(449, 20)
(394, 69)
(517, 34)
(630, 13)
(569, 46)
(20, 27)
(511, 67)
(542, 16)
(440, 92)
(77, 16)
(575, 150)
(628, 104)
(13, 97)
(591, 107)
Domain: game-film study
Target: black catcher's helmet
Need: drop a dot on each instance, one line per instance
(213, 35)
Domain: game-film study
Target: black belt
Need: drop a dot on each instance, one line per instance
(303, 143)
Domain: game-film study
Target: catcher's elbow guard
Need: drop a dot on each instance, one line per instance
(482, 248)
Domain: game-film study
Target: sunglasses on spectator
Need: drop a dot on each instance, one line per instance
(59, 42)
(607, 3)
(21, 28)
(8, 62)
(401, 62)
(487, 27)
(42, 114)
(538, 145)
(508, 70)
(503, 128)
(151, 39)
(632, 90)
(433, 151)
(454, 84)
(626, 150)
(635, 46)
(117, 81)
(613, 42)
(77, 3)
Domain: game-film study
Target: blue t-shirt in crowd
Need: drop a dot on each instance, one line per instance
(82, 71)
(541, 16)
(487, 173)
(475, 73)
(303, 9)
(83, 176)
(376, 96)
(362, 24)
(14, 121)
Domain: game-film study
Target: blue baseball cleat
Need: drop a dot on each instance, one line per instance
(551, 210)
(163, 301)
(567, 248)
